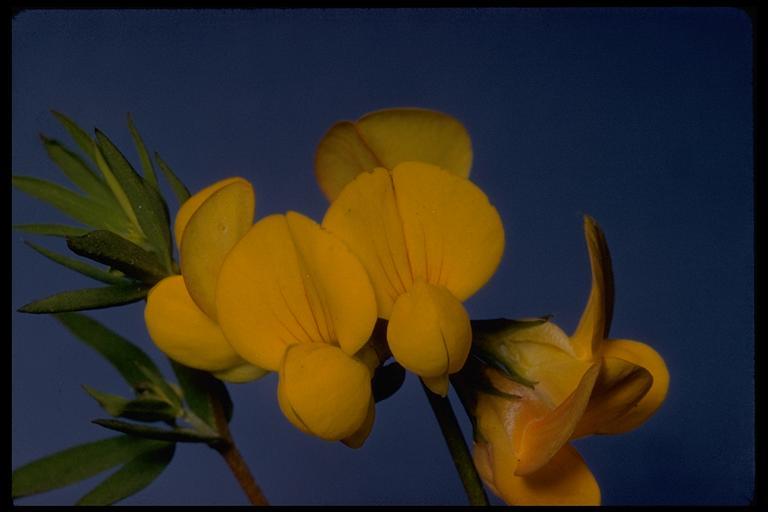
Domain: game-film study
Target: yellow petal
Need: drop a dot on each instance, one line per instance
(595, 322)
(327, 391)
(241, 373)
(619, 388)
(386, 138)
(646, 357)
(191, 205)
(213, 229)
(365, 217)
(429, 331)
(494, 455)
(544, 436)
(564, 480)
(357, 439)
(261, 299)
(346, 301)
(540, 353)
(453, 234)
(183, 332)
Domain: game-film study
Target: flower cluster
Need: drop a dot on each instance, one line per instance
(406, 239)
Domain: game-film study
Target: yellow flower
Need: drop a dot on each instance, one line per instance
(389, 137)
(427, 236)
(180, 313)
(292, 298)
(429, 240)
(563, 388)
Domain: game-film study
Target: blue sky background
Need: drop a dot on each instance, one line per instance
(641, 118)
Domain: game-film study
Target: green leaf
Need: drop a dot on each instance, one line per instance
(80, 208)
(79, 266)
(79, 135)
(140, 409)
(117, 252)
(77, 171)
(146, 163)
(118, 192)
(50, 229)
(387, 380)
(179, 189)
(150, 217)
(87, 298)
(200, 390)
(131, 478)
(77, 463)
(179, 434)
(133, 364)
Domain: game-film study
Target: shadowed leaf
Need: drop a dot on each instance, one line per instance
(133, 364)
(140, 409)
(50, 229)
(387, 380)
(145, 205)
(131, 478)
(87, 298)
(77, 463)
(146, 163)
(78, 207)
(200, 389)
(79, 266)
(79, 135)
(181, 435)
(119, 253)
(77, 171)
(179, 189)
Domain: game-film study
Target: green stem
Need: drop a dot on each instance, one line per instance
(454, 438)
(234, 459)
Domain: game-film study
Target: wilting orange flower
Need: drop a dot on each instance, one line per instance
(549, 388)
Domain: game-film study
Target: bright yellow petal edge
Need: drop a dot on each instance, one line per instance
(386, 138)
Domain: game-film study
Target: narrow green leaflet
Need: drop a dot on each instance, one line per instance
(117, 190)
(140, 409)
(78, 207)
(200, 390)
(77, 171)
(79, 266)
(146, 163)
(387, 380)
(117, 252)
(179, 189)
(79, 135)
(151, 219)
(87, 298)
(78, 463)
(50, 229)
(179, 434)
(133, 364)
(131, 478)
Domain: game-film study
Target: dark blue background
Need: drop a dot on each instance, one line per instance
(640, 117)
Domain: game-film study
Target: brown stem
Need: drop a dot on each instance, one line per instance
(235, 460)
